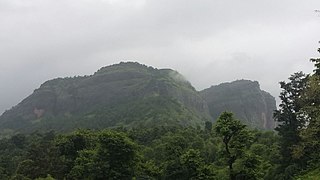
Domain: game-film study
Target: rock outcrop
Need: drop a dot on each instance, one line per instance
(245, 99)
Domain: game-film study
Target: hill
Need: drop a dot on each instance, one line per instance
(126, 94)
(245, 99)
(133, 95)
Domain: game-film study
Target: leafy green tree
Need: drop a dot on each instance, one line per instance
(287, 116)
(119, 151)
(148, 170)
(114, 157)
(42, 157)
(248, 167)
(19, 140)
(10, 156)
(235, 137)
(167, 151)
(69, 146)
(309, 147)
(194, 166)
(28, 168)
(299, 123)
(86, 166)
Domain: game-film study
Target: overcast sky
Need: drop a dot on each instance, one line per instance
(208, 41)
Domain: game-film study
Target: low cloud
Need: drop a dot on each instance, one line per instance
(209, 42)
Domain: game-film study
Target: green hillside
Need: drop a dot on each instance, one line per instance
(129, 95)
(126, 94)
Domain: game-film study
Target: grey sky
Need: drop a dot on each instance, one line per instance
(208, 41)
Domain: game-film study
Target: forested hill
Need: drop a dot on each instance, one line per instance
(126, 94)
(130, 94)
(245, 99)
(163, 109)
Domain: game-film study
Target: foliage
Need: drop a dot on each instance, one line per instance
(299, 128)
(143, 153)
(290, 123)
(236, 139)
(310, 175)
(308, 148)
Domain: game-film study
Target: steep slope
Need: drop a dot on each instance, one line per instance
(245, 99)
(126, 94)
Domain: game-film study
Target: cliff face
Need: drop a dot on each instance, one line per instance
(245, 99)
(125, 94)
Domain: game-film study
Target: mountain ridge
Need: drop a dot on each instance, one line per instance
(108, 98)
(127, 94)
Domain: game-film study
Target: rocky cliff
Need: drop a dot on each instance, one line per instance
(245, 99)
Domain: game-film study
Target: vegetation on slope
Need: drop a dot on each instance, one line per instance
(125, 94)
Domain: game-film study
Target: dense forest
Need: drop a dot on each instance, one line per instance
(154, 153)
(226, 149)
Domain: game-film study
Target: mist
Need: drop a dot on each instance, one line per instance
(208, 41)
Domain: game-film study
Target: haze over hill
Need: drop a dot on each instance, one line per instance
(209, 42)
(125, 94)
(130, 95)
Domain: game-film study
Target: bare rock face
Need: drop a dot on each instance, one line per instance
(245, 99)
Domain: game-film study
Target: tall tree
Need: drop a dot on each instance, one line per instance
(287, 116)
(235, 137)
(309, 147)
